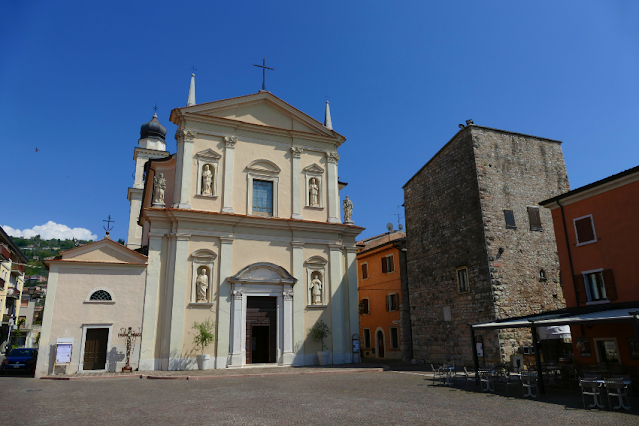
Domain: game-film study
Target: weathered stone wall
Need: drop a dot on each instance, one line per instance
(516, 171)
(445, 231)
(454, 218)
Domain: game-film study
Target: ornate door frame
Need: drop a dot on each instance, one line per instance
(262, 279)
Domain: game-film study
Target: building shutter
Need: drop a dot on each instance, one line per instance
(365, 308)
(609, 282)
(584, 230)
(582, 296)
(509, 215)
(384, 265)
(534, 218)
(388, 303)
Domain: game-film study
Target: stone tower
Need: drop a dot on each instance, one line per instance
(479, 246)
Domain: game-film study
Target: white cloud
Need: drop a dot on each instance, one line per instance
(51, 230)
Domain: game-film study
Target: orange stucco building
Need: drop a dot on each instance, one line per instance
(379, 265)
(597, 236)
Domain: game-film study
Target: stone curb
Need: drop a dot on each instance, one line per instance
(209, 377)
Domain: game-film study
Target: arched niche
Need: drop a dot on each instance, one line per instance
(202, 261)
(316, 268)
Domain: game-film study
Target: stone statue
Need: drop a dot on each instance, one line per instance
(316, 289)
(158, 189)
(207, 178)
(348, 210)
(202, 284)
(313, 193)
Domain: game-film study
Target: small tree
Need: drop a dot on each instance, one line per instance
(205, 333)
(319, 332)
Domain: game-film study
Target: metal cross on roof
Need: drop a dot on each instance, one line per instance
(264, 68)
(155, 108)
(193, 69)
(108, 227)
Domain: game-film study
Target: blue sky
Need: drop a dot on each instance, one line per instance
(77, 79)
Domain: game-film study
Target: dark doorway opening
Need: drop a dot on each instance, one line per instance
(95, 349)
(380, 344)
(261, 329)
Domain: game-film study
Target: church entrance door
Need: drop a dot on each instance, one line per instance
(95, 349)
(261, 329)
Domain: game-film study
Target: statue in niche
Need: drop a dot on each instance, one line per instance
(207, 179)
(348, 210)
(316, 288)
(313, 193)
(158, 190)
(202, 285)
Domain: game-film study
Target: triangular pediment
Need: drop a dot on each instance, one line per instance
(263, 109)
(314, 168)
(208, 153)
(103, 251)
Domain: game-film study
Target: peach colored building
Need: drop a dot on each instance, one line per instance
(380, 295)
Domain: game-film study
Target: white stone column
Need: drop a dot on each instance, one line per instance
(47, 343)
(353, 299)
(337, 302)
(287, 336)
(238, 356)
(298, 302)
(229, 154)
(224, 302)
(334, 215)
(182, 191)
(297, 191)
(150, 310)
(178, 288)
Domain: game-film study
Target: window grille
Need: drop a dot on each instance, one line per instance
(100, 295)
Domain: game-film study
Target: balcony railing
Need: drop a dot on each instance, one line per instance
(13, 292)
(18, 268)
(4, 252)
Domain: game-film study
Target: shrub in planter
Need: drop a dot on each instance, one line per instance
(318, 333)
(204, 336)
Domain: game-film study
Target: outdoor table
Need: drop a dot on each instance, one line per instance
(449, 375)
(485, 376)
(549, 375)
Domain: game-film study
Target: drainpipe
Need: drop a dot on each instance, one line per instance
(572, 269)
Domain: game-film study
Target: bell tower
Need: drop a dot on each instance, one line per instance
(151, 145)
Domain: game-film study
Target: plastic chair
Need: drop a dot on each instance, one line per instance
(617, 389)
(529, 384)
(591, 387)
(487, 378)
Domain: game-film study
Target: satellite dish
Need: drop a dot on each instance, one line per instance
(401, 227)
(389, 226)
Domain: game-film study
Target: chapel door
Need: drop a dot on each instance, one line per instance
(95, 349)
(261, 329)
(380, 344)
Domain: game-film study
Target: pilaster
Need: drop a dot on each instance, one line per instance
(182, 192)
(298, 301)
(297, 191)
(150, 309)
(238, 356)
(224, 302)
(353, 299)
(337, 302)
(229, 158)
(178, 304)
(287, 336)
(333, 190)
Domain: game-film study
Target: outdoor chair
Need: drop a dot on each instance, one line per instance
(437, 374)
(591, 388)
(487, 379)
(571, 375)
(529, 384)
(617, 389)
(625, 377)
(465, 375)
(504, 378)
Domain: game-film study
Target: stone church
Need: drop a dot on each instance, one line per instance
(242, 226)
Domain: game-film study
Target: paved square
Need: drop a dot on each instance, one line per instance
(352, 398)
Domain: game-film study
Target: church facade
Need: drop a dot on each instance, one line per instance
(242, 226)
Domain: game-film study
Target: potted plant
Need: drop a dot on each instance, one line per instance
(204, 336)
(318, 333)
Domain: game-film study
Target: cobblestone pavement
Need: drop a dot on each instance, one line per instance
(356, 398)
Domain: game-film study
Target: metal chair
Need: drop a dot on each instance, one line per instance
(466, 375)
(437, 375)
(617, 389)
(505, 378)
(487, 378)
(591, 387)
(529, 384)
(625, 377)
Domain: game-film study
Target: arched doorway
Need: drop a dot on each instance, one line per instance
(380, 344)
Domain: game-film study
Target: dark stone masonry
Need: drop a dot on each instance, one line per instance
(455, 219)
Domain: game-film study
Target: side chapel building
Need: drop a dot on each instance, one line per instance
(242, 225)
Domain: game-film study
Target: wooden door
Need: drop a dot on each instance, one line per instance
(261, 329)
(380, 344)
(95, 349)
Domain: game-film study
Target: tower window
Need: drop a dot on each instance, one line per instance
(510, 219)
(534, 218)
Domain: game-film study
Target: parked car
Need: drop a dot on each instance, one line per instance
(20, 360)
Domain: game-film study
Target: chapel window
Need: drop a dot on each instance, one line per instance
(262, 197)
(100, 295)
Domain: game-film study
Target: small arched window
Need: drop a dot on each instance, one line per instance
(100, 295)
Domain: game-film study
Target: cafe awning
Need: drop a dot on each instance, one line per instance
(554, 332)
